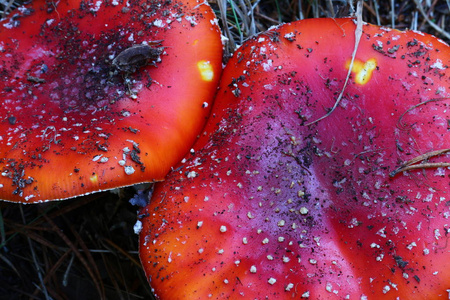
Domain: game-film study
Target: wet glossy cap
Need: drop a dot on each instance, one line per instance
(101, 94)
(354, 206)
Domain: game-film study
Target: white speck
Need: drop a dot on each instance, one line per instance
(237, 262)
(205, 104)
(261, 39)
(200, 250)
(265, 241)
(267, 66)
(289, 287)
(438, 65)
(312, 261)
(289, 35)
(249, 215)
(191, 19)
(329, 287)
(381, 232)
(158, 23)
(221, 251)
(280, 239)
(269, 257)
(97, 157)
(303, 210)
(428, 198)
(410, 246)
(129, 170)
(137, 227)
(286, 259)
(199, 224)
(317, 240)
(272, 280)
(386, 289)
(28, 197)
(223, 228)
(426, 251)
(305, 295)
(437, 234)
(253, 269)
(281, 223)
(192, 174)
(225, 281)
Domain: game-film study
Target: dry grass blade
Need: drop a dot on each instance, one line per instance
(414, 163)
(93, 271)
(39, 272)
(358, 34)
(431, 23)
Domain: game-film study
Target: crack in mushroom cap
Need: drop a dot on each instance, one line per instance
(83, 110)
(269, 208)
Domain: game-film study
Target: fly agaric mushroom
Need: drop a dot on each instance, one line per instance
(275, 205)
(98, 95)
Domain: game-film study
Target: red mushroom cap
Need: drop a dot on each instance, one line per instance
(354, 206)
(98, 95)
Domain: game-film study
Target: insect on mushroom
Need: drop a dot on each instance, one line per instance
(137, 56)
(276, 206)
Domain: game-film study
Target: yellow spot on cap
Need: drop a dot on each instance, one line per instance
(206, 70)
(362, 70)
(94, 178)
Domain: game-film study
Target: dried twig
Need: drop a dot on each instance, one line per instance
(417, 105)
(414, 163)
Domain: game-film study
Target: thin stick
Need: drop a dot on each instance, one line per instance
(358, 34)
(393, 14)
(411, 164)
(417, 105)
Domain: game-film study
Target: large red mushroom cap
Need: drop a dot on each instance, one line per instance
(277, 206)
(96, 95)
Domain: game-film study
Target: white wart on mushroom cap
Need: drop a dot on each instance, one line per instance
(354, 206)
(97, 95)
